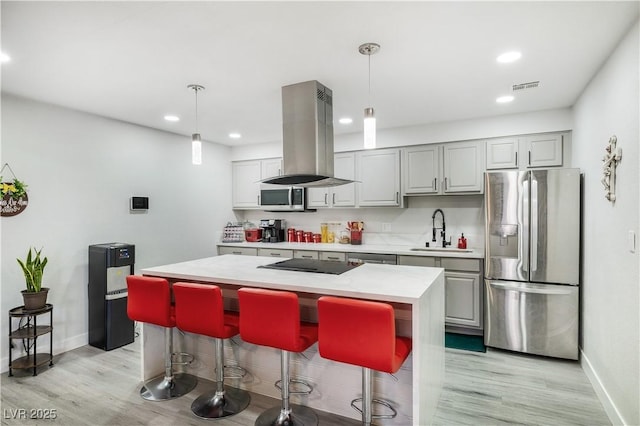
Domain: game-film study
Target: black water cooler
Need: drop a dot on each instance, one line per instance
(109, 265)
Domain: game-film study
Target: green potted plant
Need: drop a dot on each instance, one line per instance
(35, 296)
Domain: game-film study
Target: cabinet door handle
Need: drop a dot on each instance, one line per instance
(333, 199)
(516, 158)
(529, 157)
(397, 197)
(325, 197)
(446, 184)
(258, 196)
(306, 256)
(435, 184)
(236, 252)
(333, 258)
(275, 254)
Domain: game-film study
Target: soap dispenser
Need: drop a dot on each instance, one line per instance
(462, 242)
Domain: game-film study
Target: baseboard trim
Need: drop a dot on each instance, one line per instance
(608, 404)
(58, 348)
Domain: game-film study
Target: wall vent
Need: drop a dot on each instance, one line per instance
(522, 86)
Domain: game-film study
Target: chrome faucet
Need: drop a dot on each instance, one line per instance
(442, 229)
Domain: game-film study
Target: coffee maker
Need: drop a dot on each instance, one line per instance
(272, 230)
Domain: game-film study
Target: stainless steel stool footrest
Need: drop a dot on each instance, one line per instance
(379, 402)
(278, 386)
(182, 358)
(240, 372)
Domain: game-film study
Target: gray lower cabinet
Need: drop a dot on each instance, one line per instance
(335, 256)
(305, 254)
(275, 252)
(462, 283)
(243, 251)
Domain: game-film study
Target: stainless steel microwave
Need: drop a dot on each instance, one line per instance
(286, 198)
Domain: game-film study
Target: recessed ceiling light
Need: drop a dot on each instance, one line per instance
(235, 135)
(4, 57)
(508, 57)
(345, 120)
(172, 118)
(504, 99)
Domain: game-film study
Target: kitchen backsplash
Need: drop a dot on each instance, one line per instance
(395, 226)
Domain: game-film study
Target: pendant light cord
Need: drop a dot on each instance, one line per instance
(369, 79)
(196, 90)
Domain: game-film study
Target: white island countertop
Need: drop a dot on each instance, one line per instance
(402, 284)
(415, 290)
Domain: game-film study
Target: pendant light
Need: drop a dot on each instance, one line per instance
(369, 114)
(196, 142)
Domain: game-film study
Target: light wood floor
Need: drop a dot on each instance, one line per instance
(90, 386)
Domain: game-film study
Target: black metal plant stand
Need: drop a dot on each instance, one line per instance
(29, 332)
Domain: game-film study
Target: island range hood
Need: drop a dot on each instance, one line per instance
(307, 137)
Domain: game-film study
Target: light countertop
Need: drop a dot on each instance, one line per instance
(393, 283)
(474, 253)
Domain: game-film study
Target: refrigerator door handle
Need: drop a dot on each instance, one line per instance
(524, 288)
(534, 225)
(524, 241)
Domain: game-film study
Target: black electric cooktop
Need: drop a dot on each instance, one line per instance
(310, 265)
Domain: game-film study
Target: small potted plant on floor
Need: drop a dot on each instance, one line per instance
(35, 296)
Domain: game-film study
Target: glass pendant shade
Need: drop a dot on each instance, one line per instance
(369, 128)
(196, 149)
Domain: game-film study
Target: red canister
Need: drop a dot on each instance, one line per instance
(317, 238)
(308, 237)
(291, 235)
(299, 236)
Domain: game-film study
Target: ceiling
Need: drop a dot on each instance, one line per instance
(132, 61)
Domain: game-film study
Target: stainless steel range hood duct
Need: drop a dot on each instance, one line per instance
(307, 136)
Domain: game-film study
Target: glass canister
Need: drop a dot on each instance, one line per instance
(331, 237)
(324, 232)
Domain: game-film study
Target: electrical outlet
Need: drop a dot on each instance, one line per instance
(386, 227)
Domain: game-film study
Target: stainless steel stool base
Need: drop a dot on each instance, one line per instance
(298, 415)
(161, 388)
(215, 405)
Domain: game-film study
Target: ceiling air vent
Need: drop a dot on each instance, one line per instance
(522, 86)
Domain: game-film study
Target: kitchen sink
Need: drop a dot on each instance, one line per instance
(442, 249)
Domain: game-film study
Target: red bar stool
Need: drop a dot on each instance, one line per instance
(149, 300)
(200, 310)
(362, 333)
(272, 318)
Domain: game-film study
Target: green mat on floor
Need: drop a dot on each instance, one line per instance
(464, 342)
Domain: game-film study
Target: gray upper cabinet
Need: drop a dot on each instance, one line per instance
(545, 150)
(378, 173)
(502, 153)
(463, 167)
(421, 169)
(451, 168)
(246, 176)
(338, 196)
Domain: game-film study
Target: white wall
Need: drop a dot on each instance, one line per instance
(81, 170)
(611, 281)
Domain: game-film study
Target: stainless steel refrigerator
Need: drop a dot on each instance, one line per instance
(532, 261)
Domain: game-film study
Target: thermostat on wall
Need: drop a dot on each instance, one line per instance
(139, 203)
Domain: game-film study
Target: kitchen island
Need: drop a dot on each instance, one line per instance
(417, 294)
